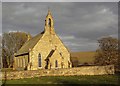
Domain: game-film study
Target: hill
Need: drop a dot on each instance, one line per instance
(82, 58)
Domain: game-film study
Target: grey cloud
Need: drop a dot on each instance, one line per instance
(79, 25)
(60, 1)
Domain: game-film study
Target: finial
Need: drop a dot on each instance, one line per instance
(28, 36)
(49, 10)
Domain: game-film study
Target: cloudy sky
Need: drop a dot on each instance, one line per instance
(59, 0)
(79, 24)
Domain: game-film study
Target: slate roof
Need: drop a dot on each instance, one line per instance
(29, 44)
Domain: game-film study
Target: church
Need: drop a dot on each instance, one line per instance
(44, 51)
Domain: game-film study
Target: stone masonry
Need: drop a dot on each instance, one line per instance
(87, 70)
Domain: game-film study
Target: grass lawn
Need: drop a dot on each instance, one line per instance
(105, 79)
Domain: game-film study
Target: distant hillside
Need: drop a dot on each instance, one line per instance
(82, 57)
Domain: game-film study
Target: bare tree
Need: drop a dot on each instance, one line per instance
(108, 52)
(11, 43)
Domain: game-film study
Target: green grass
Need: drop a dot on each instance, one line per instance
(105, 79)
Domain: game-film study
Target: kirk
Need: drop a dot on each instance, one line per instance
(43, 51)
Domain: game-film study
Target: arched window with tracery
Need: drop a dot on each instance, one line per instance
(39, 60)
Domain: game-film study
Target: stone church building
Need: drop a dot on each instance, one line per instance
(44, 51)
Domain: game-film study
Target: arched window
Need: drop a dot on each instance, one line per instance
(21, 62)
(56, 63)
(62, 64)
(39, 60)
(18, 62)
(49, 22)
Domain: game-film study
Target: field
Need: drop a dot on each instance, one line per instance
(82, 58)
(94, 80)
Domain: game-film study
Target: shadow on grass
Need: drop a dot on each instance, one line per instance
(80, 82)
(70, 82)
(66, 81)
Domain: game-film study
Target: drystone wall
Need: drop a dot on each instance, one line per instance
(88, 70)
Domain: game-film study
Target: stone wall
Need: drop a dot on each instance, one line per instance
(88, 70)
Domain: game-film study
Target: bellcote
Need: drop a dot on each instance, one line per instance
(49, 23)
(49, 20)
